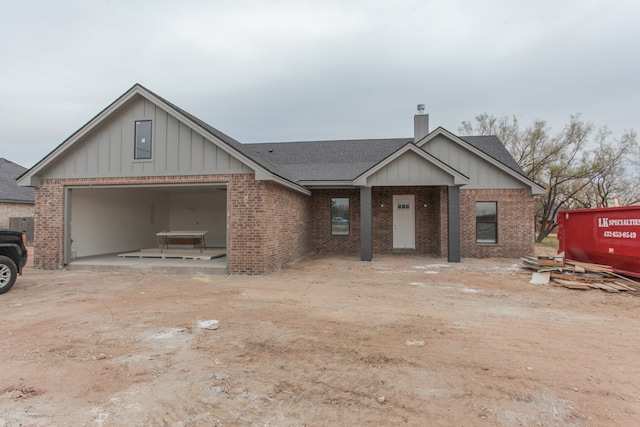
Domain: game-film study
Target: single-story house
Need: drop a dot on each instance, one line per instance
(16, 203)
(144, 165)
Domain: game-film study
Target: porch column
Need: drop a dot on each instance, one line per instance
(453, 223)
(366, 225)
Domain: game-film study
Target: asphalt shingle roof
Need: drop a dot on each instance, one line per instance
(337, 160)
(9, 189)
(344, 160)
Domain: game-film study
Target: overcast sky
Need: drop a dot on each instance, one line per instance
(284, 70)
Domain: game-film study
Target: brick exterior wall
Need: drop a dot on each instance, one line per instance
(287, 234)
(427, 225)
(268, 226)
(323, 241)
(515, 223)
(427, 221)
(13, 210)
(49, 225)
(253, 245)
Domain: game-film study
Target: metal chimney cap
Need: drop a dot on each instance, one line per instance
(420, 108)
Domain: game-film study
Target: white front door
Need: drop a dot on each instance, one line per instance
(404, 234)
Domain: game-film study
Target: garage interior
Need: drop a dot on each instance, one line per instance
(104, 222)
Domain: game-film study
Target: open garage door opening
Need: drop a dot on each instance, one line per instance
(123, 221)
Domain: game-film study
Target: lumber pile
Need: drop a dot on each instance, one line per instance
(579, 275)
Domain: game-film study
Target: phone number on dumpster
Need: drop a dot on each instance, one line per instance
(621, 234)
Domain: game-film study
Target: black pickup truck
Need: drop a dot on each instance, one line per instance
(13, 257)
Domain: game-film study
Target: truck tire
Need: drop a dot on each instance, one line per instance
(8, 274)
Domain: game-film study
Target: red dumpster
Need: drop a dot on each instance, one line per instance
(608, 236)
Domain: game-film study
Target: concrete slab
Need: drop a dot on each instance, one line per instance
(113, 262)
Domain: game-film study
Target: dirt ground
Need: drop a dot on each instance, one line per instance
(398, 341)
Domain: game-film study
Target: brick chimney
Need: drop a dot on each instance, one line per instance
(420, 124)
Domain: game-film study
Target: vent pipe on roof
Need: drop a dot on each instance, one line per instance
(420, 124)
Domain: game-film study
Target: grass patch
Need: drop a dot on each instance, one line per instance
(551, 240)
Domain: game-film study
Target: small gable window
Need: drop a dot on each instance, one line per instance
(340, 216)
(142, 140)
(486, 222)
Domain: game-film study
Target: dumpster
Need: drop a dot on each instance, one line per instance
(608, 236)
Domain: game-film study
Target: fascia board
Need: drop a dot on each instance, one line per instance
(535, 188)
(327, 184)
(262, 175)
(458, 178)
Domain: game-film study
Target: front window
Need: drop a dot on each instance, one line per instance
(143, 140)
(486, 222)
(340, 216)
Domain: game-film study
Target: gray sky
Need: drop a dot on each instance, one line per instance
(283, 70)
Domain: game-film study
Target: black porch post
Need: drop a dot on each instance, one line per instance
(366, 225)
(453, 223)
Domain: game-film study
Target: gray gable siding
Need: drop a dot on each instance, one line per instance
(410, 169)
(481, 173)
(107, 151)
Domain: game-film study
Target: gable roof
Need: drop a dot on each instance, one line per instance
(9, 189)
(296, 164)
(490, 149)
(458, 178)
(225, 142)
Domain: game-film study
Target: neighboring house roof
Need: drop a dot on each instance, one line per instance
(9, 189)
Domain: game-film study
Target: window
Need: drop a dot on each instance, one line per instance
(340, 216)
(404, 204)
(143, 140)
(486, 222)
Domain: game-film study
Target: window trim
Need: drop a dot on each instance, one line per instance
(494, 222)
(332, 217)
(135, 141)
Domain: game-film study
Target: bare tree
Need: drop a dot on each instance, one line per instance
(610, 179)
(561, 168)
(575, 171)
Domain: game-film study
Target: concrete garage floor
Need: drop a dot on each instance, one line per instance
(113, 262)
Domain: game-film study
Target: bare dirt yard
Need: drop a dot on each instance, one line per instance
(328, 341)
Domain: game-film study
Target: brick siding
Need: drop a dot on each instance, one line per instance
(270, 225)
(257, 244)
(427, 206)
(427, 221)
(515, 223)
(323, 242)
(13, 210)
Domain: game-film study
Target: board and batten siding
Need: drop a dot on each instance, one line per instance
(481, 173)
(410, 169)
(177, 149)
